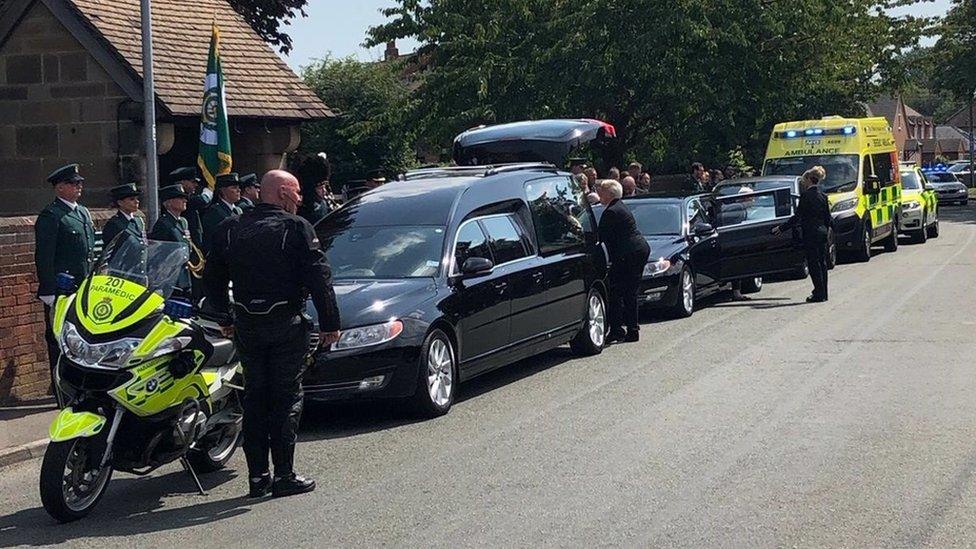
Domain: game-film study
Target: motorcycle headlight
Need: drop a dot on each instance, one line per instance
(845, 205)
(367, 336)
(114, 354)
(172, 345)
(913, 205)
(654, 268)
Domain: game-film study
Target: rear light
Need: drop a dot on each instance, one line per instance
(608, 128)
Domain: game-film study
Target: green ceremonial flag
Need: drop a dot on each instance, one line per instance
(215, 154)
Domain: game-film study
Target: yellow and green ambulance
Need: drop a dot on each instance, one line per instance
(863, 181)
(919, 206)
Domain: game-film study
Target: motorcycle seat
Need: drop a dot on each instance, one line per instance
(224, 352)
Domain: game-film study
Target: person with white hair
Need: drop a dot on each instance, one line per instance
(628, 251)
(813, 217)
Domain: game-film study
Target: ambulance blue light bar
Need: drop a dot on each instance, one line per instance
(816, 132)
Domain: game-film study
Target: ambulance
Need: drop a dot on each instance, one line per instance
(863, 181)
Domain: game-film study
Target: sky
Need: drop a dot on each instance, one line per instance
(339, 27)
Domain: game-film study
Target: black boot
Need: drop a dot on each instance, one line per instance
(616, 335)
(292, 485)
(260, 486)
(633, 336)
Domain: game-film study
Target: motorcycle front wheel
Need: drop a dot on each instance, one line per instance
(72, 483)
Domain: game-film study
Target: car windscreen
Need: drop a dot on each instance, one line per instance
(657, 218)
(910, 181)
(941, 177)
(383, 252)
(728, 189)
(842, 169)
(955, 168)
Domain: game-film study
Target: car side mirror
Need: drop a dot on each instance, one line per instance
(702, 230)
(872, 184)
(476, 266)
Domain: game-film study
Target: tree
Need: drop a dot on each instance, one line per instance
(680, 79)
(956, 50)
(371, 131)
(266, 17)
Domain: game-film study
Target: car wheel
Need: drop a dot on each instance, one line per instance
(891, 242)
(921, 236)
(685, 304)
(752, 285)
(831, 252)
(593, 335)
(934, 230)
(863, 254)
(437, 376)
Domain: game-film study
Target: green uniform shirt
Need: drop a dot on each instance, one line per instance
(173, 229)
(212, 216)
(195, 206)
(64, 243)
(118, 223)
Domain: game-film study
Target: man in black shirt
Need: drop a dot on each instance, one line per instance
(274, 260)
(628, 251)
(813, 216)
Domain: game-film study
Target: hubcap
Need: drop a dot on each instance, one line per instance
(687, 291)
(757, 282)
(82, 483)
(225, 445)
(440, 372)
(597, 320)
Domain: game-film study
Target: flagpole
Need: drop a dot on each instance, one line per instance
(149, 114)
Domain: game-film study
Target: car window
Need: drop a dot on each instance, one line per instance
(471, 242)
(559, 209)
(884, 168)
(753, 207)
(696, 213)
(505, 239)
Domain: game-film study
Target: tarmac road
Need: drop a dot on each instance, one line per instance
(765, 423)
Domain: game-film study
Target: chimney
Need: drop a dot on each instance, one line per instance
(391, 51)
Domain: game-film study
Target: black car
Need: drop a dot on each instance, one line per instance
(730, 187)
(453, 272)
(701, 242)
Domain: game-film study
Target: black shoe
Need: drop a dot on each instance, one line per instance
(260, 486)
(291, 486)
(615, 336)
(632, 337)
(815, 299)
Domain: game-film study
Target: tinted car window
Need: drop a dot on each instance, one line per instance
(471, 242)
(505, 240)
(383, 252)
(657, 218)
(752, 208)
(558, 208)
(942, 177)
(910, 181)
(883, 168)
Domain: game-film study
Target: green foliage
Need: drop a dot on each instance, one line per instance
(372, 130)
(267, 16)
(956, 50)
(681, 80)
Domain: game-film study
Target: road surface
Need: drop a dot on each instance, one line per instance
(765, 423)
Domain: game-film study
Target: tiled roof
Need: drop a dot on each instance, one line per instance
(258, 82)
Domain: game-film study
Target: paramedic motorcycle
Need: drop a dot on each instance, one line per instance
(143, 383)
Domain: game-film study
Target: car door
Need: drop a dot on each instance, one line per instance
(514, 251)
(747, 246)
(703, 248)
(481, 305)
(559, 219)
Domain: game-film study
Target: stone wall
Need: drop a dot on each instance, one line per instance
(24, 370)
(59, 106)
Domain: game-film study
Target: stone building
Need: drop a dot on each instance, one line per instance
(71, 91)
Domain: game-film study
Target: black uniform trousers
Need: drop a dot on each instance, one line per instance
(53, 349)
(625, 278)
(273, 353)
(816, 253)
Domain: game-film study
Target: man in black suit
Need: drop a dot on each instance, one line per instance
(813, 216)
(628, 251)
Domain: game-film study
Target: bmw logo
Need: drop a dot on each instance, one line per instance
(152, 385)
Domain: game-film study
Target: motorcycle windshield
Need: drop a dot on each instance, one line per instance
(153, 264)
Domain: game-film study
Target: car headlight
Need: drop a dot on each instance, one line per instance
(114, 354)
(845, 205)
(655, 268)
(367, 336)
(913, 205)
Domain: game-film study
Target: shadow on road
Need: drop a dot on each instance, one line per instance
(132, 505)
(324, 421)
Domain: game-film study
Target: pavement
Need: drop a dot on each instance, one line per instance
(23, 431)
(770, 422)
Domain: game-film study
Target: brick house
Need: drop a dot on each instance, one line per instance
(71, 91)
(908, 126)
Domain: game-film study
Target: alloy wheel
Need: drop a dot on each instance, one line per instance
(82, 483)
(597, 320)
(688, 291)
(440, 372)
